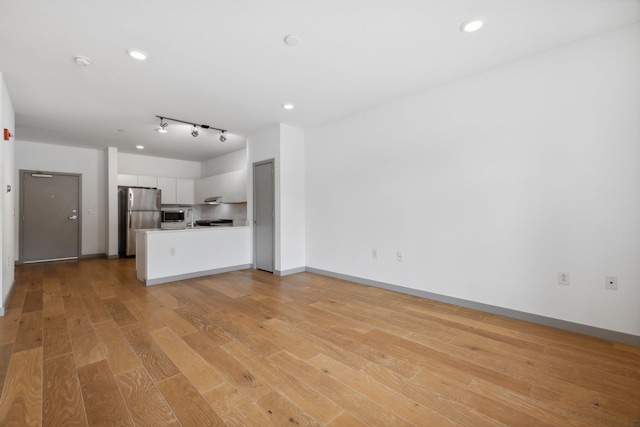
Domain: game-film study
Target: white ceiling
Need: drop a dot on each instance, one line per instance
(223, 62)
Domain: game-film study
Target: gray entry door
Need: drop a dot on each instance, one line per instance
(50, 226)
(264, 215)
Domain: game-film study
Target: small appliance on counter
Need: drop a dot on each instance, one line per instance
(173, 215)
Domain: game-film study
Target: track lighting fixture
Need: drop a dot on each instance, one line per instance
(194, 129)
(163, 126)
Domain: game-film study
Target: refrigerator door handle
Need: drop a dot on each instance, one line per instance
(130, 218)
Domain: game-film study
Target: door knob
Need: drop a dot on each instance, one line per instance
(73, 217)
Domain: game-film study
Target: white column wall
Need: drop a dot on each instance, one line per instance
(492, 185)
(292, 198)
(8, 200)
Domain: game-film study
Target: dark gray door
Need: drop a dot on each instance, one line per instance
(264, 214)
(50, 214)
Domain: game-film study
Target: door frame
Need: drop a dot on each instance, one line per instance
(273, 217)
(21, 211)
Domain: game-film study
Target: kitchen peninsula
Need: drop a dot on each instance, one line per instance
(171, 255)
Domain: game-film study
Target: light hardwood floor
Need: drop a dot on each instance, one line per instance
(84, 343)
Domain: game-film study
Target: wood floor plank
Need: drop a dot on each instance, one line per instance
(151, 355)
(188, 405)
(87, 348)
(119, 353)
(407, 409)
(29, 333)
(63, 405)
(32, 302)
(234, 409)
(283, 412)
(302, 395)
(95, 309)
(145, 402)
(187, 360)
(9, 325)
(351, 400)
(119, 312)
(56, 336)
(235, 373)
(103, 402)
(21, 400)
(6, 350)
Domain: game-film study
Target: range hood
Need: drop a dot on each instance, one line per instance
(213, 200)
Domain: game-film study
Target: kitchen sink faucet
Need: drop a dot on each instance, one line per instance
(190, 212)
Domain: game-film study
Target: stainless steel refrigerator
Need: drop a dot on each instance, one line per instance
(139, 208)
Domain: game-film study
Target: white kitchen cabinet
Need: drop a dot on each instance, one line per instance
(169, 193)
(147, 181)
(185, 191)
(205, 187)
(230, 186)
(127, 180)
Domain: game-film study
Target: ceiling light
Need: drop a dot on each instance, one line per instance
(287, 106)
(163, 126)
(471, 25)
(292, 40)
(194, 129)
(140, 147)
(82, 61)
(137, 54)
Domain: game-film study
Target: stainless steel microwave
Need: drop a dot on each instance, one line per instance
(174, 215)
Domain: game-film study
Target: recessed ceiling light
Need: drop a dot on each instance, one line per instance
(82, 61)
(292, 40)
(471, 25)
(140, 147)
(287, 106)
(137, 54)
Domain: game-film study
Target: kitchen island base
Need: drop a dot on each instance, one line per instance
(170, 255)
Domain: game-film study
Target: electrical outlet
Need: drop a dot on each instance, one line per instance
(563, 278)
(172, 251)
(374, 253)
(611, 282)
(399, 256)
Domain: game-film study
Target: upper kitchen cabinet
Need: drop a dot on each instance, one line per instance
(177, 191)
(230, 186)
(137, 181)
(169, 192)
(185, 191)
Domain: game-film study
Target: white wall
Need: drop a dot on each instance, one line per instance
(91, 164)
(7, 201)
(292, 198)
(135, 164)
(231, 162)
(494, 184)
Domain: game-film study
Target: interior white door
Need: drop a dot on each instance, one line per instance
(50, 217)
(264, 215)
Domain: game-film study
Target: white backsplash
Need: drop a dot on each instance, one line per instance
(234, 211)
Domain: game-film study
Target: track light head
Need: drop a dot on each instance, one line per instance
(194, 132)
(163, 126)
(223, 136)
